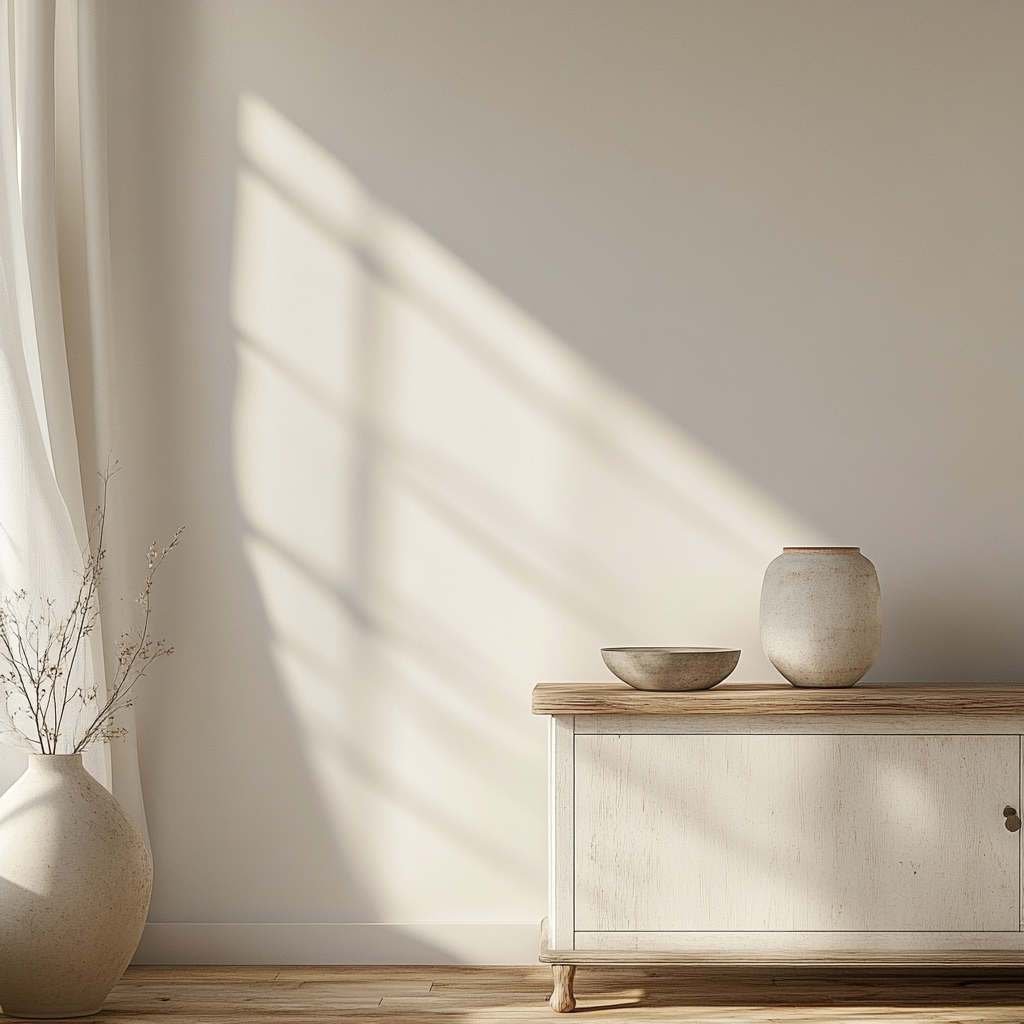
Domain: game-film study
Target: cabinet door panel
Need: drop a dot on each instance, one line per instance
(804, 833)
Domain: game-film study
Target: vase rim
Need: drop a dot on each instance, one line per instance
(832, 547)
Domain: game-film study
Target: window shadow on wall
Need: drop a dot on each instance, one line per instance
(442, 505)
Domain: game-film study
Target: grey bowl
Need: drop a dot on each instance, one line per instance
(670, 668)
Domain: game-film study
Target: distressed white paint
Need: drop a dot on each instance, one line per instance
(791, 835)
(562, 808)
(799, 724)
(804, 833)
(1000, 947)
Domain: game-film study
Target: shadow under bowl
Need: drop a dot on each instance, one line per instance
(671, 668)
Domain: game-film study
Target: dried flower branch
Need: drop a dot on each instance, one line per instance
(41, 650)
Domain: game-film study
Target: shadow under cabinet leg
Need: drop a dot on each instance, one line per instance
(562, 999)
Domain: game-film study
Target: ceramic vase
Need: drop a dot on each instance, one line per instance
(821, 616)
(75, 883)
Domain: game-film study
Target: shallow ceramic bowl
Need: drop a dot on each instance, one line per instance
(670, 668)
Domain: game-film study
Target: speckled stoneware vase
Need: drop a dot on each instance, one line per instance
(75, 882)
(821, 616)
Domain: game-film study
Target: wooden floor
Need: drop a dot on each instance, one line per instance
(465, 995)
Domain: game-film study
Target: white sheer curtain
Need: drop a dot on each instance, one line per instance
(54, 282)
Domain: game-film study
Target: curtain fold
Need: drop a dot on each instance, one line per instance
(55, 409)
(89, 35)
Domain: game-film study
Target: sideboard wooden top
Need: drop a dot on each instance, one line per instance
(781, 699)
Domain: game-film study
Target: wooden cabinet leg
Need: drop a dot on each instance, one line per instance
(562, 999)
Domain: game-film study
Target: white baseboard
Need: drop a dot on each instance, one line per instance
(453, 942)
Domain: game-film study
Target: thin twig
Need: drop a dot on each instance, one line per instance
(41, 649)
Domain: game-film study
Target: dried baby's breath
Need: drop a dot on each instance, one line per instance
(40, 647)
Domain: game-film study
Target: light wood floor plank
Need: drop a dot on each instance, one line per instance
(517, 995)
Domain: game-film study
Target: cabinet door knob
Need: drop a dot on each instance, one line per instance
(1012, 819)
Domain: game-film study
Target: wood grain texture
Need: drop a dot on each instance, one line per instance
(519, 995)
(562, 999)
(780, 699)
(796, 834)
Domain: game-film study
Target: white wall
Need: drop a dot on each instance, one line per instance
(467, 338)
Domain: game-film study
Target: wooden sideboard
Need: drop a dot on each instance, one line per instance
(877, 825)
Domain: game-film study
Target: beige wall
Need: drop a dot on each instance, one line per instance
(466, 338)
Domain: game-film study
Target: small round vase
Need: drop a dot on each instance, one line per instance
(821, 616)
(75, 883)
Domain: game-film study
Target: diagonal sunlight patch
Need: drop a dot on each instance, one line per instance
(444, 505)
